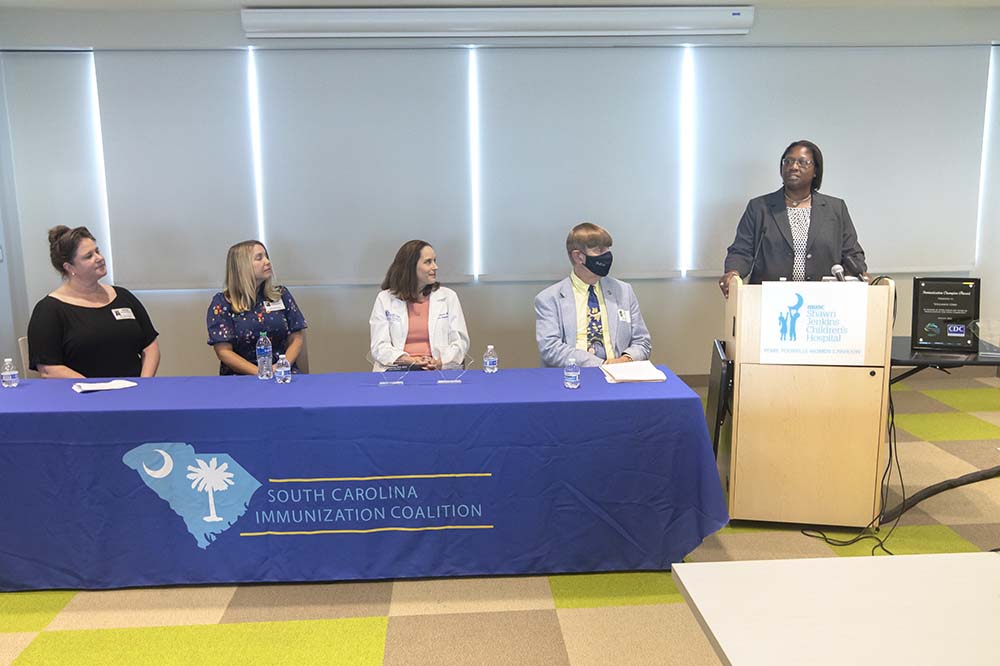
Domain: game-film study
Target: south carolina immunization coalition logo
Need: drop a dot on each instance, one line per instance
(788, 320)
(210, 492)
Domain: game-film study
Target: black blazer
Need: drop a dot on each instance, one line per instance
(831, 237)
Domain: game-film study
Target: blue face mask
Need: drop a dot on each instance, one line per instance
(599, 265)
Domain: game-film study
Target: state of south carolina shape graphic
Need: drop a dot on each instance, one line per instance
(209, 491)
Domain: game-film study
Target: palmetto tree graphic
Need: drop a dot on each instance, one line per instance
(210, 478)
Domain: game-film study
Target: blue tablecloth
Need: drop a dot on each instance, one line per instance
(333, 477)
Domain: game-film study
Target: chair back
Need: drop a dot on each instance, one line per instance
(302, 362)
(22, 345)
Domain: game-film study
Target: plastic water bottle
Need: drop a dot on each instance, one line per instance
(282, 370)
(9, 374)
(571, 375)
(491, 362)
(264, 370)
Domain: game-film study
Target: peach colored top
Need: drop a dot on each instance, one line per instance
(418, 342)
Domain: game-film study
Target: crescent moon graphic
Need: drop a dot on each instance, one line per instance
(168, 466)
(798, 302)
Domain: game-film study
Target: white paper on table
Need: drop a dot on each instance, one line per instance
(634, 371)
(114, 384)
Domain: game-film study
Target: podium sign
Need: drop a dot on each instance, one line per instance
(813, 323)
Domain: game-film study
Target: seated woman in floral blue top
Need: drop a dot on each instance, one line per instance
(250, 303)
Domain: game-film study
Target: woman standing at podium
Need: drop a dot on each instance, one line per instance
(415, 321)
(794, 233)
(250, 303)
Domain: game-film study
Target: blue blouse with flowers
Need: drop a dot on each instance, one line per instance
(242, 330)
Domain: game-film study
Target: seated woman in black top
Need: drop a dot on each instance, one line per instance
(85, 328)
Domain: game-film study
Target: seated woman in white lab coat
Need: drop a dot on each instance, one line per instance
(416, 322)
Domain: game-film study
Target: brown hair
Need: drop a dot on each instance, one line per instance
(63, 244)
(240, 288)
(585, 236)
(401, 278)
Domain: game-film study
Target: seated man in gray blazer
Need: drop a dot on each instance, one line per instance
(589, 317)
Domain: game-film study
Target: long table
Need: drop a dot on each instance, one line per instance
(903, 356)
(185, 480)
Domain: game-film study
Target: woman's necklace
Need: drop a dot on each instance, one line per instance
(95, 294)
(795, 204)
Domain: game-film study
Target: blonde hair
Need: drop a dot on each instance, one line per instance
(585, 236)
(240, 287)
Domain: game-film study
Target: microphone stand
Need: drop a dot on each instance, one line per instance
(756, 251)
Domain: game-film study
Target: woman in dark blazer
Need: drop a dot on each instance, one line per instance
(795, 233)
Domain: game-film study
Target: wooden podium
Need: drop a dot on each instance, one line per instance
(806, 443)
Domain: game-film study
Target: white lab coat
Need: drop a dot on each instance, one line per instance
(389, 322)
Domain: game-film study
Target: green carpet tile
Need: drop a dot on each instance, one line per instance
(30, 611)
(969, 400)
(349, 642)
(947, 427)
(614, 589)
(907, 540)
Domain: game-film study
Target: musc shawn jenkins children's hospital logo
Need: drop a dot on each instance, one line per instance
(209, 492)
(788, 320)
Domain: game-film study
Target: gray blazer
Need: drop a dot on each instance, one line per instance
(555, 324)
(831, 237)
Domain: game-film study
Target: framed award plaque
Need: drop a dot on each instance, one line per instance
(944, 310)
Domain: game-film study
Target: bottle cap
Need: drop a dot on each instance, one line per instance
(8, 360)
(489, 347)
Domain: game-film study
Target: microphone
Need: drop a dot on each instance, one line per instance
(838, 272)
(756, 251)
(853, 266)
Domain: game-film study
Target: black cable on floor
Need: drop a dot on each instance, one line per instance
(930, 491)
(908, 503)
(869, 531)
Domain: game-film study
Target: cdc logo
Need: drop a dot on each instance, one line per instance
(956, 330)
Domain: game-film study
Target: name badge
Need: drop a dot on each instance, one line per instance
(443, 315)
(392, 317)
(274, 306)
(625, 316)
(122, 313)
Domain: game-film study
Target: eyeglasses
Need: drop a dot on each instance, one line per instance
(789, 161)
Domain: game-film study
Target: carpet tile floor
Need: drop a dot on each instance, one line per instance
(947, 426)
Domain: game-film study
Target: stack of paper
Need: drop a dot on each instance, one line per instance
(114, 384)
(636, 371)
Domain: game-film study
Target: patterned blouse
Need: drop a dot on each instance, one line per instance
(799, 219)
(242, 330)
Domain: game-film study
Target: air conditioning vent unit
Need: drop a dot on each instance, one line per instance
(491, 22)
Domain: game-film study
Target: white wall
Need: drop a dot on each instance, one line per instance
(10, 262)
(8, 336)
(683, 314)
(54, 156)
(988, 263)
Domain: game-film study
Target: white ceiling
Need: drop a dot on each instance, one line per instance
(171, 5)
